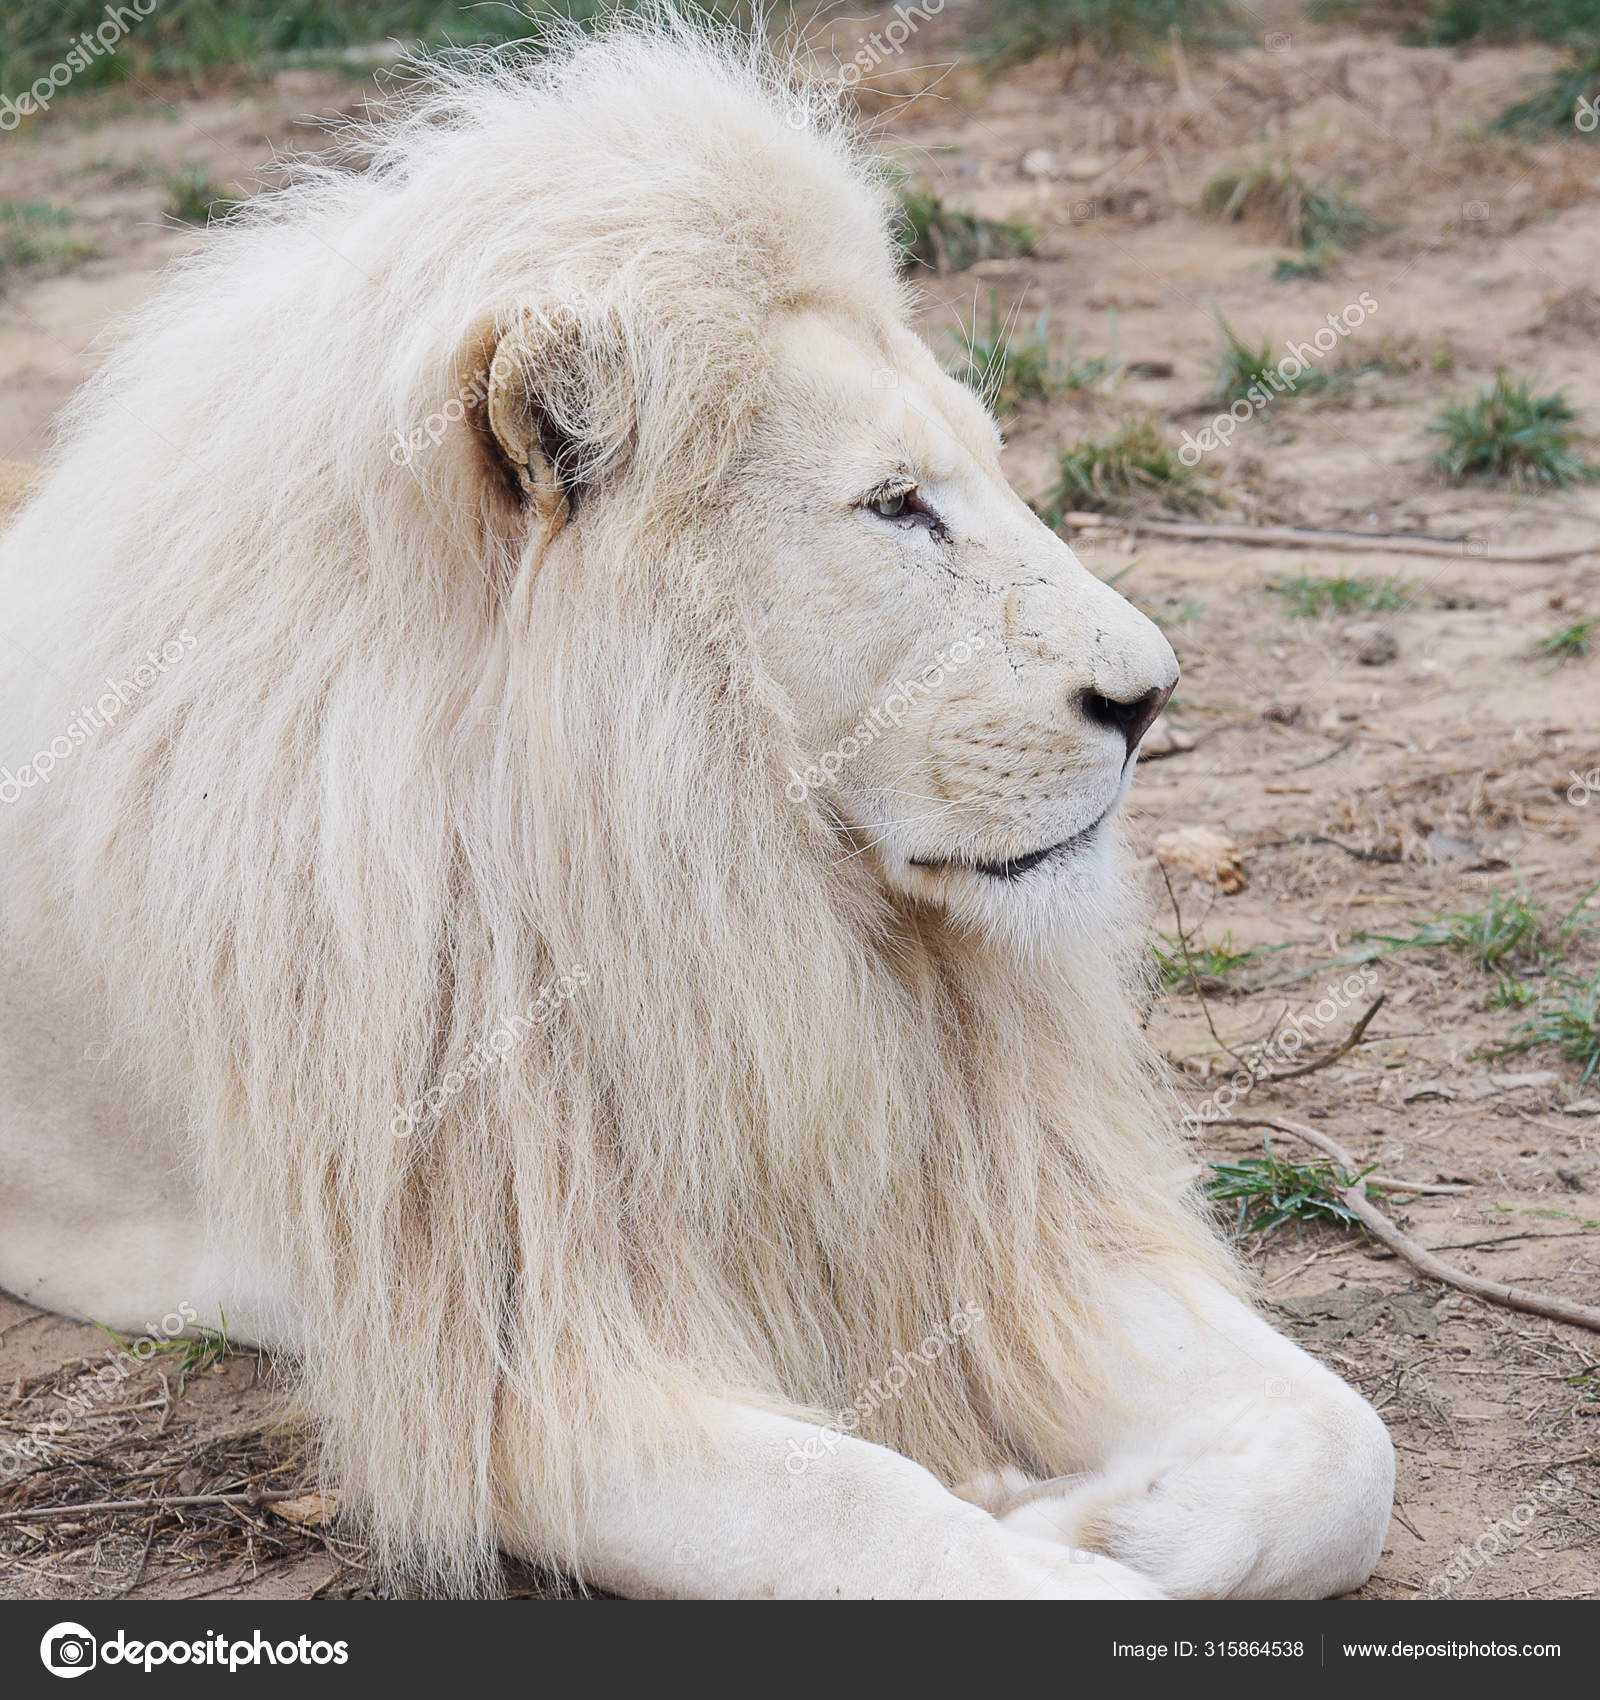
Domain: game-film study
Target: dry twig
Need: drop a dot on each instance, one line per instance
(1194, 978)
(1292, 537)
(1419, 1257)
(1357, 1034)
(253, 1499)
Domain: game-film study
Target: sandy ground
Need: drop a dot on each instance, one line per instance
(1360, 797)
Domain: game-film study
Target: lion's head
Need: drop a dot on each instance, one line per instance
(963, 699)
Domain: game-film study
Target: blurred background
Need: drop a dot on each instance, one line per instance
(1289, 313)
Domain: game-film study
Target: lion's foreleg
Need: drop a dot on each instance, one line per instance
(1226, 1462)
(765, 1507)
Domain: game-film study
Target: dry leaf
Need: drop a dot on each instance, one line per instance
(310, 1510)
(1208, 855)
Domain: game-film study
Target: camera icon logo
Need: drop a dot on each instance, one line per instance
(68, 1649)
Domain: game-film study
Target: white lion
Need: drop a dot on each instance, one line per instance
(559, 865)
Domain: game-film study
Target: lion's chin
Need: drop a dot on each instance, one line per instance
(1028, 904)
(1014, 867)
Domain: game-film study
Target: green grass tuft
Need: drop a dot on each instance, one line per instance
(1587, 1382)
(1015, 31)
(37, 233)
(201, 40)
(1317, 217)
(1566, 101)
(943, 239)
(1135, 468)
(1571, 643)
(1214, 965)
(1449, 22)
(1240, 369)
(1309, 598)
(1512, 993)
(1091, 371)
(1508, 432)
(1508, 929)
(1006, 365)
(194, 1354)
(193, 195)
(1270, 1190)
(1567, 1017)
(1309, 267)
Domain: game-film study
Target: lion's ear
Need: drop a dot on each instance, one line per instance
(556, 407)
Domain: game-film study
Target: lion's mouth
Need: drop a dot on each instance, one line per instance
(1016, 866)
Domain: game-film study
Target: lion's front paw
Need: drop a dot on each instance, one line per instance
(1052, 1573)
(1059, 1511)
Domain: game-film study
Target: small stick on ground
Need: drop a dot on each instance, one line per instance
(1357, 1033)
(1194, 978)
(1419, 1257)
(1292, 537)
(1440, 1189)
(251, 1500)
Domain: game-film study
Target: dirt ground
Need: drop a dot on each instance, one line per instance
(1361, 795)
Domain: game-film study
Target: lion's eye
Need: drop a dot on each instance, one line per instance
(904, 506)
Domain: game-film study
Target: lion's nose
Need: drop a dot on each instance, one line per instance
(1132, 717)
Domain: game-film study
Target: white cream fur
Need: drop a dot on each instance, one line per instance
(437, 742)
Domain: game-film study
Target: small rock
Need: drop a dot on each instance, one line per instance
(1375, 645)
(1578, 1171)
(1582, 1107)
(1208, 855)
(1448, 847)
(1164, 739)
(1038, 162)
(1345, 1311)
(1085, 168)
